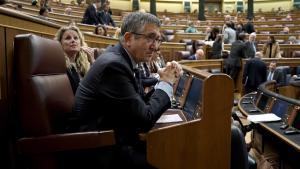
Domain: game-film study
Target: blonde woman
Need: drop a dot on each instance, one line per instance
(78, 55)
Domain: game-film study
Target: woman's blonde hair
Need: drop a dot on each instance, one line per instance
(81, 60)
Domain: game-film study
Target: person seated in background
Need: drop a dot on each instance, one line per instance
(286, 30)
(68, 11)
(109, 96)
(217, 48)
(262, 19)
(90, 15)
(199, 55)
(191, 28)
(43, 13)
(271, 49)
(208, 33)
(213, 34)
(101, 30)
(292, 40)
(166, 21)
(289, 17)
(197, 23)
(255, 73)
(275, 74)
(147, 80)
(79, 56)
(251, 46)
(105, 16)
(156, 63)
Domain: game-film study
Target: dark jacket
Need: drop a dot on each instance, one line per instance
(278, 77)
(216, 50)
(106, 18)
(250, 51)
(90, 16)
(255, 73)
(237, 52)
(109, 98)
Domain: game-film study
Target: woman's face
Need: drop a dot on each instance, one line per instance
(100, 31)
(70, 42)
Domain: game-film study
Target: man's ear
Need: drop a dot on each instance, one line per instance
(127, 38)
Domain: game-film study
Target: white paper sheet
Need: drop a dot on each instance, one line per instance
(169, 118)
(268, 117)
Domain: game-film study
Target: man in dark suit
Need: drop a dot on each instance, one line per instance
(90, 15)
(275, 74)
(255, 73)
(105, 16)
(109, 96)
(251, 46)
(237, 52)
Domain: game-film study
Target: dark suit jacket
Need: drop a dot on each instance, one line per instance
(250, 52)
(278, 77)
(90, 16)
(255, 73)
(108, 98)
(216, 50)
(237, 52)
(106, 18)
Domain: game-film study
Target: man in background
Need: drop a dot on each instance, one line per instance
(255, 73)
(199, 55)
(90, 15)
(275, 74)
(251, 46)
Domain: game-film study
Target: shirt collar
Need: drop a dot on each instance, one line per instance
(95, 6)
(134, 64)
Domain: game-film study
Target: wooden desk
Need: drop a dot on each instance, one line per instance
(267, 136)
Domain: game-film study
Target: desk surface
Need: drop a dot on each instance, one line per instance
(273, 127)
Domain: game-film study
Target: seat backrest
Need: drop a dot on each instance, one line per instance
(285, 72)
(186, 41)
(182, 54)
(192, 105)
(239, 154)
(43, 90)
(296, 54)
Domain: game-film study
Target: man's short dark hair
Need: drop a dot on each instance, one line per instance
(135, 22)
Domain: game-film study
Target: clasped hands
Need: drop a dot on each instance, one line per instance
(171, 72)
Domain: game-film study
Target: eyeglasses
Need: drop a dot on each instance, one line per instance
(151, 38)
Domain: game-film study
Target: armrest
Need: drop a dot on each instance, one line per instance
(65, 142)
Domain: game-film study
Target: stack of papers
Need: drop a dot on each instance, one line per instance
(171, 118)
(267, 117)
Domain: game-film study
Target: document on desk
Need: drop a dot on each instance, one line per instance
(267, 117)
(169, 118)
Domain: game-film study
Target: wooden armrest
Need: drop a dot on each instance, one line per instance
(65, 142)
